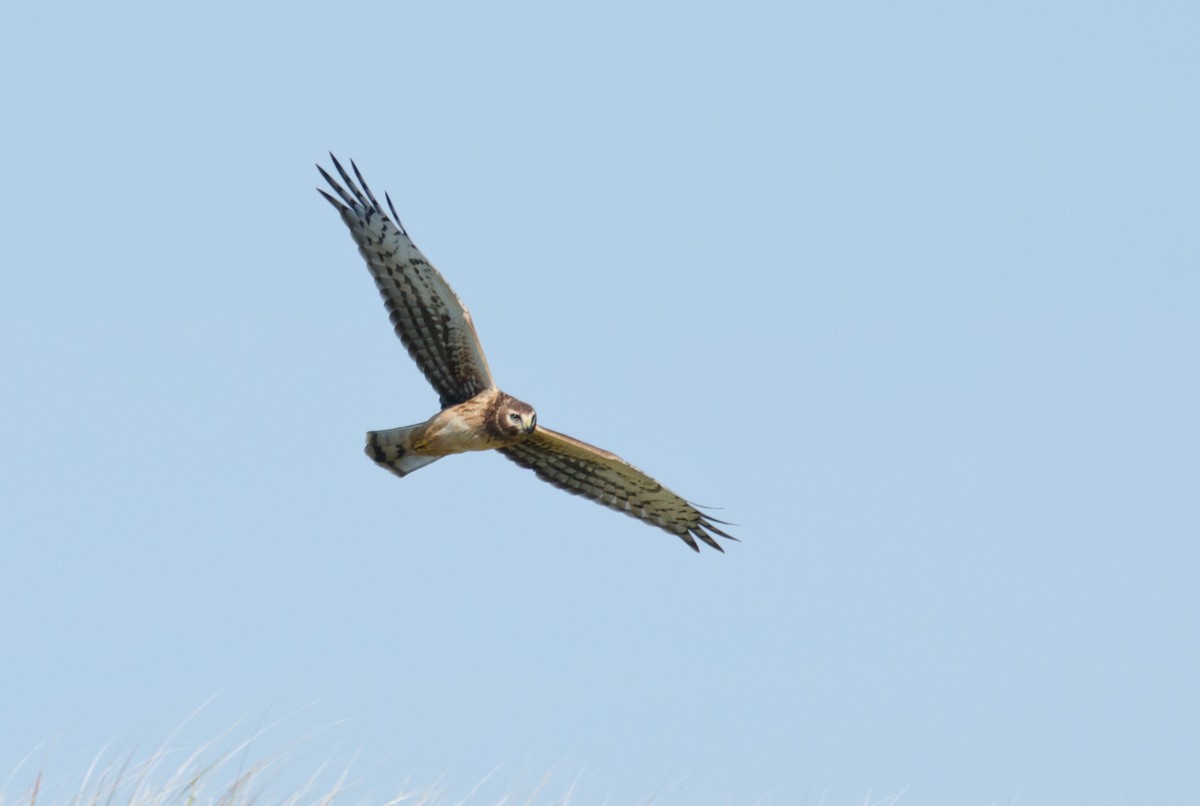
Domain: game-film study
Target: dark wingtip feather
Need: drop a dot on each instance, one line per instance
(358, 194)
(336, 204)
(395, 215)
(707, 524)
(339, 167)
(710, 517)
(353, 188)
(337, 188)
(707, 538)
(366, 188)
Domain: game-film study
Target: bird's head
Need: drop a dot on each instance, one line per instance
(515, 418)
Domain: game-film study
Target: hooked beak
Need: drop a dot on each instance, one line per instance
(529, 424)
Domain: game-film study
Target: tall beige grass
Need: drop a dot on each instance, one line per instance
(229, 772)
(224, 772)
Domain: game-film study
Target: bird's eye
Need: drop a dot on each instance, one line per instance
(516, 418)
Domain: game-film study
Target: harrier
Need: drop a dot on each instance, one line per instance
(436, 328)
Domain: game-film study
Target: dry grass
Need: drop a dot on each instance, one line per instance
(227, 772)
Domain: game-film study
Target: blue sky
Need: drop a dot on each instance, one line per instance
(910, 292)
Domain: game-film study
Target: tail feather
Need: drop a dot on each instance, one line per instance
(388, 449)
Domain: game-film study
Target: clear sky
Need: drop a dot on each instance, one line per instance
(910, 291)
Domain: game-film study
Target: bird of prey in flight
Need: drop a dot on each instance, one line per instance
(475, 415)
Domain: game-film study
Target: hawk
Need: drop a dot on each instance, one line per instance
(475, 415)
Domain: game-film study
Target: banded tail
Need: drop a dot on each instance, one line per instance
(389, 449)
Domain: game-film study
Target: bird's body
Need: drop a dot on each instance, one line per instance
(457, 429)
(437, 330)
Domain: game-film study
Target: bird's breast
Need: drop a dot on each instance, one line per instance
(460, 428)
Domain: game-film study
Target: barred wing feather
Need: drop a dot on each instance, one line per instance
(607, 479)
(426, 314)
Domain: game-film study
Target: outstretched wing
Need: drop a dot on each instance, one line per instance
(426, 313)
(607, 479)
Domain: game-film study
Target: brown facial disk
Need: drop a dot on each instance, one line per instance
(508, 417)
